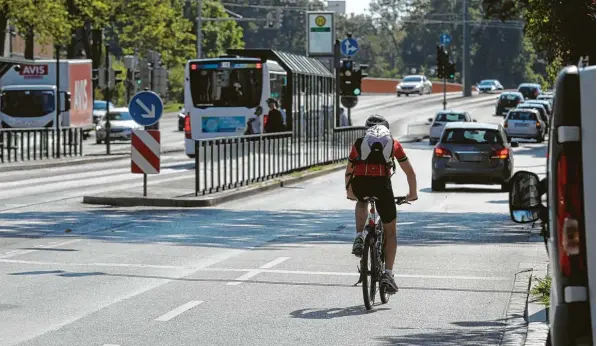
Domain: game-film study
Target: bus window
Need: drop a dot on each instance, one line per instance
(225, 84)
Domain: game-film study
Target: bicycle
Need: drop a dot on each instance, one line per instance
(373, 249)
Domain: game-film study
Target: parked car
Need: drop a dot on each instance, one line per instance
(181, 115)
(525, 123)
(99, 109)
(530, 90)
(507, 101)
(122, 125)
(472, 153)
(489, 85)
(414, 85)
(441, 119)
(568, 216)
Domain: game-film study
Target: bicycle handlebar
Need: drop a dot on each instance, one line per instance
(401, 200)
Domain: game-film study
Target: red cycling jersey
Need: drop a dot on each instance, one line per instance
(374, 170)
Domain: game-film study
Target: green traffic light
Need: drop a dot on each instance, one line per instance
(357, 91)
(138, 82)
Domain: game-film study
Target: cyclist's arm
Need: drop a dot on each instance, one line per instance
(348, 173)
(407, 168)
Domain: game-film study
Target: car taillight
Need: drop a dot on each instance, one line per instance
(501, 154)
(187, 125)
(538, 124)
(569, 209)
(442, 152)
(506, 124)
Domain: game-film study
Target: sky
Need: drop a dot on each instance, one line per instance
(357, 6)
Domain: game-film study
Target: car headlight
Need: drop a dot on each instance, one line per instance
(399, 86)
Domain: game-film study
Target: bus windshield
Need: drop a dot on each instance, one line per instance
(226, 84)
(28, 103)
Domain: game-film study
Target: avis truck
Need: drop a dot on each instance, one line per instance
(28, 95)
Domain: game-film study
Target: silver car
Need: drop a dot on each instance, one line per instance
(414, 85)
(441, 119)
(122, 126)
(472, 153)
(525, 123)
(489, 85)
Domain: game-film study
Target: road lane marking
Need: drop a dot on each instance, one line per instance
(243, 277)
(46, 246)
(253, 272)
(179, 310)
(274, 262)
(248, 270)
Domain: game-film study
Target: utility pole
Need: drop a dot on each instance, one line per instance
(57, 49)
(107, 93)
(337, 66)
(199, 23)
(466, 80)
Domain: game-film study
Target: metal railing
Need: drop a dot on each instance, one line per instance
(230, 162)
(38, 144)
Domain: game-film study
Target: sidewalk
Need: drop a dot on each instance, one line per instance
(179, 192)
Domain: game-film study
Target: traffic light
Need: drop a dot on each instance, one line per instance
(440, 61)
(137, 77)
(117, 77)
(451, 70)
(346, 78)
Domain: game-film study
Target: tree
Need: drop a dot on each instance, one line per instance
(388, 14)
(564, 30)
(52, 26)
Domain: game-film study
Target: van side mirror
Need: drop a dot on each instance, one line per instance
(430, 120)
(525, 197)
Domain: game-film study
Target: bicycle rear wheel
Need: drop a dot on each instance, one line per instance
(368, 267)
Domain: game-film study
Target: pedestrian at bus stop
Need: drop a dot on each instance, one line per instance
(275, 121)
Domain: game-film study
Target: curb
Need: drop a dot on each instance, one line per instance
(190, 201)
(538, 324)
(516, 315)
(79, 160)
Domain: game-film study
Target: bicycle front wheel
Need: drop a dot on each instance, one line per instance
(368, 268)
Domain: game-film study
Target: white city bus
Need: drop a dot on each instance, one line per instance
(220, 94)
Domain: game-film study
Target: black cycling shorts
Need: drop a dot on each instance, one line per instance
(380, 187)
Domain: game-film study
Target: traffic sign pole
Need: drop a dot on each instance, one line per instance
(146, 109)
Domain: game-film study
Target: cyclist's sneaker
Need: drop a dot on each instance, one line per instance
(388, 280)
(357, 246)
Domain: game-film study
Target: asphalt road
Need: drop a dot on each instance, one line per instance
(273, 269)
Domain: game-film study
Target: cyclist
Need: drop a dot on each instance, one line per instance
(368, 174)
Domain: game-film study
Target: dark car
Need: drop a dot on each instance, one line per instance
(472, 153)
(530, 91)
(507, 101)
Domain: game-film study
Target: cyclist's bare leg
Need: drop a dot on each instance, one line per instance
(360, 215)
(390, 243)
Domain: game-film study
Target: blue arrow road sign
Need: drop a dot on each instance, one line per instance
(349, 47)
(445, 39)
(146, 108)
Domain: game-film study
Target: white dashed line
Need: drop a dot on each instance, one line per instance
(274, 262)
(254, 272)
(179, 310)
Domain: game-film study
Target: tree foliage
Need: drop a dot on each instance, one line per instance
(563, 30)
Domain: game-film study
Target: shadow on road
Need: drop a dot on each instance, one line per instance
(326, 314)
(249, 228)
(484, 333)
